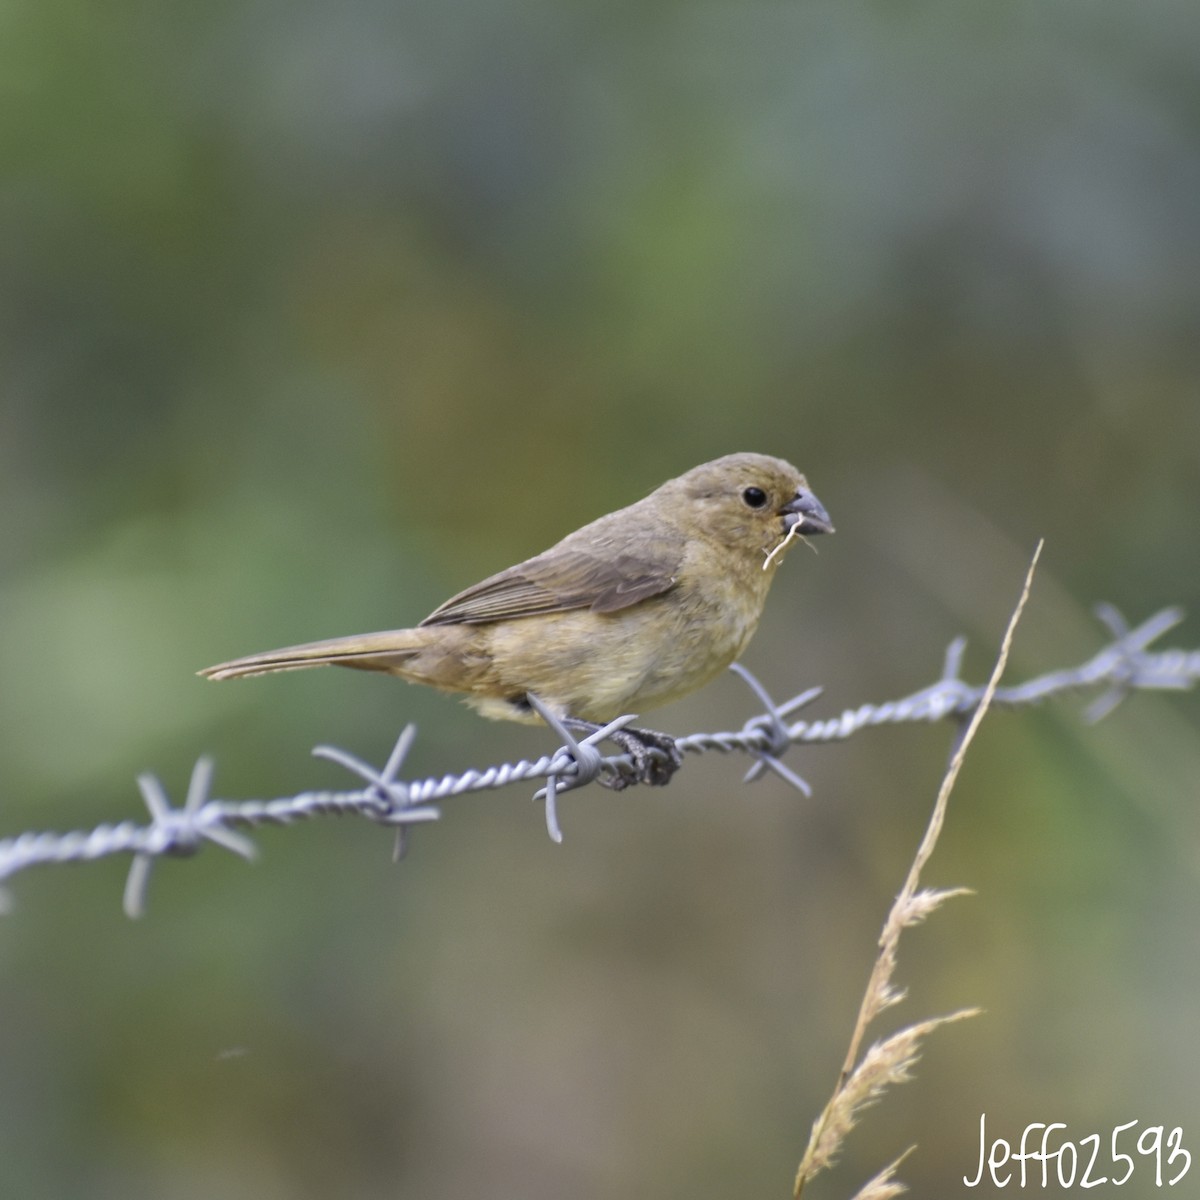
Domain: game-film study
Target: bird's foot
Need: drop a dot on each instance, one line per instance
(654, 757)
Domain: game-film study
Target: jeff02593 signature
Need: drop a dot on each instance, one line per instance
(1044, 1157)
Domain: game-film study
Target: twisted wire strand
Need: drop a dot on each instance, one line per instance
(1123, 666)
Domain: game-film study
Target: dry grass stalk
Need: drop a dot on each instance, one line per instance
(778, 549)
(885, 1185)
(860, 1083)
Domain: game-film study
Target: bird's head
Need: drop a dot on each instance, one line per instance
(752, 502)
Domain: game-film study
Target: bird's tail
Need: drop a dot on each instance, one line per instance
(368, 651)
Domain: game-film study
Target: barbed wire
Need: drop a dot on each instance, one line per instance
(1123, 666)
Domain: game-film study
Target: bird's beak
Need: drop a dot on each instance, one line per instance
(806, 514)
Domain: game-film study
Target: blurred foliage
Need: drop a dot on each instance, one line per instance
(314, 313)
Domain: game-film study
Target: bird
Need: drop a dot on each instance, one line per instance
(627, 613)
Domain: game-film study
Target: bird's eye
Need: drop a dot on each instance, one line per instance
(754, 497)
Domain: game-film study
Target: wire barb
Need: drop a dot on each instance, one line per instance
(1123, 666)
(177, 831)
(775, 732)
(583, 762)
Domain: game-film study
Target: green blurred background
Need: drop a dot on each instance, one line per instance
(312, 314)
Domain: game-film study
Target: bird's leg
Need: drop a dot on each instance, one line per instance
(641, 745)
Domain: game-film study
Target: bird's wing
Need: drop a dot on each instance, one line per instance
(559, 580)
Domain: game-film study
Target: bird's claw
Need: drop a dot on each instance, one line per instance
(654, 758)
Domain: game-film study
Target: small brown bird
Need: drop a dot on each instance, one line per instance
(630, 612)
